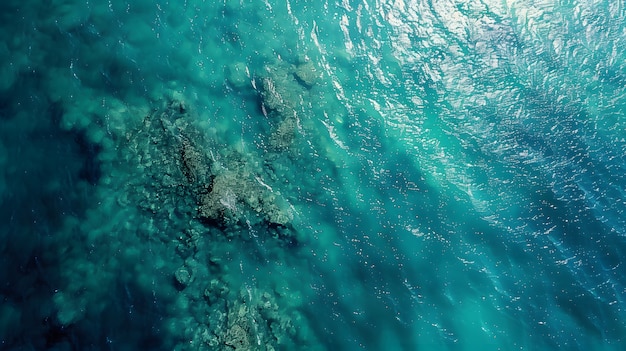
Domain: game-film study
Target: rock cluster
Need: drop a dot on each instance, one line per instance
(228, 189)
(254, 321)
(239, 194)
(223, 194)
(282, 92)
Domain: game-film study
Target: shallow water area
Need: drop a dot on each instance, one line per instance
(247, 175)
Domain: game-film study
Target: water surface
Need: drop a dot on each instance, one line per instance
(375, 175)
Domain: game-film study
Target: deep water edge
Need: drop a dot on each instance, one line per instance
(312, 175)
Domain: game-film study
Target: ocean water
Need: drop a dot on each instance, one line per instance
(312, 175)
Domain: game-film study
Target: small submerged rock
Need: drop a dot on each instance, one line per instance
(183, 277)
(238, 337)
(237, 75)
(306, 74)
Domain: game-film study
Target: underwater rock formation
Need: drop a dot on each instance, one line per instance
(228, 188)
(198, 199)
(238, 194)
(284, 92)
(255, 321)
(237, 75)
(306, 74)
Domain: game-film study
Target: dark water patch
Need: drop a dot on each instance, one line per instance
(49, 173)
(90, 171)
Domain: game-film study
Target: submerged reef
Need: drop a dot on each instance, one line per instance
(155, 229)
(284, 94)
(183, 237)
(228, 189)
(238, 194)
(254, 321)
(208, 198)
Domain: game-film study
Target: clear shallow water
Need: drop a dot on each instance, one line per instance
(258, 175)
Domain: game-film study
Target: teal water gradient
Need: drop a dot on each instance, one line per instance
(375, 175)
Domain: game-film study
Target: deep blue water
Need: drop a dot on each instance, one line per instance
(311, 175)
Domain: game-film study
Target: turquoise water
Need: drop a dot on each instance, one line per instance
(259, 175)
